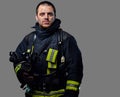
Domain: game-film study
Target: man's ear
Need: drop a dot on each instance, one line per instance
(36, 18)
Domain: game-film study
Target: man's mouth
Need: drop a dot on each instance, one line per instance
(46, 22)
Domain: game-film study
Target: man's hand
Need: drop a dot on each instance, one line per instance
(27, 77)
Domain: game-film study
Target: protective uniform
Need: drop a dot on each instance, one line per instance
(57, 68)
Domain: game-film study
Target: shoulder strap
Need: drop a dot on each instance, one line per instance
(60, 36)
(30, 41)
(59, 40)
(61, 57)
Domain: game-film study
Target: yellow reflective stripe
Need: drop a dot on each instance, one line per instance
(50, 94)
(57, 95)
(72, 85)
(52, 54)
(55, 55)
(51, 58)
(58, 91)
(48, 71)
(72, 82)
(32, 49)
(71, 88)
(49, 54)
(17, 68)
(51, 65)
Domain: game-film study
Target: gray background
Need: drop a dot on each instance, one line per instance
(94, 23)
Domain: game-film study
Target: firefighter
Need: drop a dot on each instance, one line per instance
(48, 61)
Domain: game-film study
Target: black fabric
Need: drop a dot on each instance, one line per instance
(70, 93)
(27, 95)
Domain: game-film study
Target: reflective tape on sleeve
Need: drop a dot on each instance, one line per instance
(17, 68)
(72, 85)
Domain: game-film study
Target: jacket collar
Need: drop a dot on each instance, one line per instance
(44, 33)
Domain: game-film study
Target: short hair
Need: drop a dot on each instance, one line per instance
(48, 3)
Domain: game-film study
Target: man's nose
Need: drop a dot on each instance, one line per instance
(46, 16)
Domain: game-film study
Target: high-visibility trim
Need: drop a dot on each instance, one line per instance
(72, 85)
(52, 54)
(71, 88)
(50, 94)
(48, 71)
(17, 68)
(51, 66)
(51, 58)
(57, 95)
(72, 82)
(32, 49)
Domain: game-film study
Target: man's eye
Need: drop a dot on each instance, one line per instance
(50, 14)
(42, 14)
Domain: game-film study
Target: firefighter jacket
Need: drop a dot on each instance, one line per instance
(53, 52)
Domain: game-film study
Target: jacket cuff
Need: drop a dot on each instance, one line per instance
(70, 93)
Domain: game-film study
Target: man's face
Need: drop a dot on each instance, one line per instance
(45, 16)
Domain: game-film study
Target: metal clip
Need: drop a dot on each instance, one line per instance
(62, 59)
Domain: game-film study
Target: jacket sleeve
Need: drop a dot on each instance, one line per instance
(22, 47)
(17, 66)
(74, 67)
